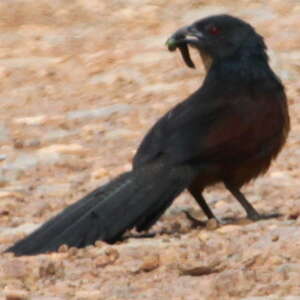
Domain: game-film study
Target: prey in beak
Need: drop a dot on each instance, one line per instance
(185, 37)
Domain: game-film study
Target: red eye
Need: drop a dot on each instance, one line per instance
(214, 30)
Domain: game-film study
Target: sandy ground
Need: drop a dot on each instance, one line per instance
(81, 82)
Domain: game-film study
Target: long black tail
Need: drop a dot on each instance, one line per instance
(134, 199)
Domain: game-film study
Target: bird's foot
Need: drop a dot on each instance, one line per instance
(194, 222)
(258, 217)
(209, 224)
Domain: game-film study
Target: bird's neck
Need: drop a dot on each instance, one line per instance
(250, 72)
(242, 69)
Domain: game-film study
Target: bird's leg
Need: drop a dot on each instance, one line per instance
(204, 206)
(252, 213)
(202, 203)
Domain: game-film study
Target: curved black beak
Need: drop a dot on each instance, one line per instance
(185, 35)
(181, 39)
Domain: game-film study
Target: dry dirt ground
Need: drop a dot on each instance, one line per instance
(81, 82)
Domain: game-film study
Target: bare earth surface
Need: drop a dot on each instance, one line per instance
(81, 82)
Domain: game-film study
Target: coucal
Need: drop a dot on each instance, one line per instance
(229, 131)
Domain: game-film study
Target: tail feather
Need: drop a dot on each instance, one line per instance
(137, 198)
(64, 220)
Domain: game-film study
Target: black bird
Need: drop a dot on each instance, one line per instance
(229, 130)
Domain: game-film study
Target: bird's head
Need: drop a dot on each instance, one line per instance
(215, 37)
